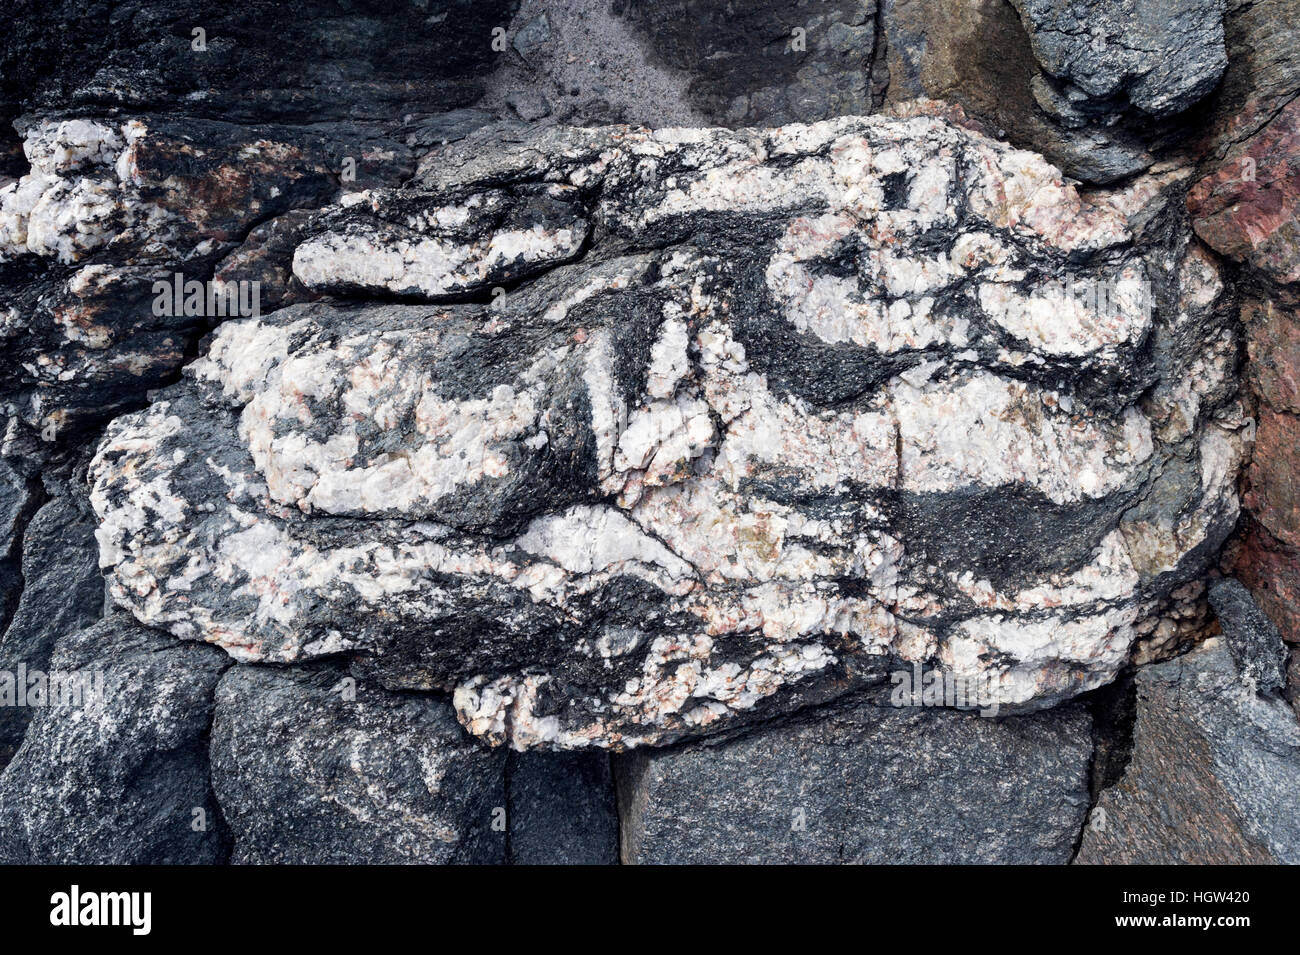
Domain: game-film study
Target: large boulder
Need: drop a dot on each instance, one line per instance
(768, 409)
(1162, 56)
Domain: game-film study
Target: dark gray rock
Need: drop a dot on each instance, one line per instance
(263, 60)
(978, 55)
(767, 62)
(562, 809)
(1292, 692)
(1253, 639)
(122, 776)
(865, 784)
(529, 105)
(18, 498)
(532, 36)
(1214, 776)
(1160, 55)
(63, 593)
(311, 767)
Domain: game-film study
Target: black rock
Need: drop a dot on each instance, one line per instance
(63, 592)
(1253, 639)
(562, 809)
(122, 776)
(311, 767)
(865, 784)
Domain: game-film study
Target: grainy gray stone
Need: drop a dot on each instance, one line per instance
(865, 784)
(121, 778)
(1214, 776)
(18, 498)
(63, 592)
(310, 768)
(1160, 55)
(1253, 639)
(562, 809)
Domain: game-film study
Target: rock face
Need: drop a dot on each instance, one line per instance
(314, 768)
(110, 209)
(643, 388)
(114, 767)
(63, 593)
(1214, 776)
(252, 61)
(1248, 208)
(814, 398)
(858, 785)
(1160, 55)
(764, 62)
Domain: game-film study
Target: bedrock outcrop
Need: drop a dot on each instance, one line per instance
(636, 436)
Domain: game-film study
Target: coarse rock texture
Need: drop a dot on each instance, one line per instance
(18, 499)
(1160, 55)
(63, 592)
(109, 209)
(256, 60)
(1248, 208)
(977, 55)
(314, 767)
(865, 784)
(621, 438)
(814, 398)
(1214, 775)
(1245, 208)
(120, 775)
(766, 61)
(1252, 639)
(562, 809)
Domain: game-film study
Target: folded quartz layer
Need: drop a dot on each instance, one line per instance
(644, 435)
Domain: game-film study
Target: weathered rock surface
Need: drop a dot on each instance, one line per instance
(766, 62)
(256, 60)
(865, 784)
(977, 54)
(1262, 38)
(119, 776)
(1249, 208)
(110, 208)
(313, 767)
(814, 398)
(18, 499)
(1252, 639)
(1161, 56)
(562, 809)
(63, 592)
(1214, 776)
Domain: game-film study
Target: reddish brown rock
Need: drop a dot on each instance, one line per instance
(1263, 42)
(1273, 478)
(1271, 571)
(1273, 347)
(1248, 208)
